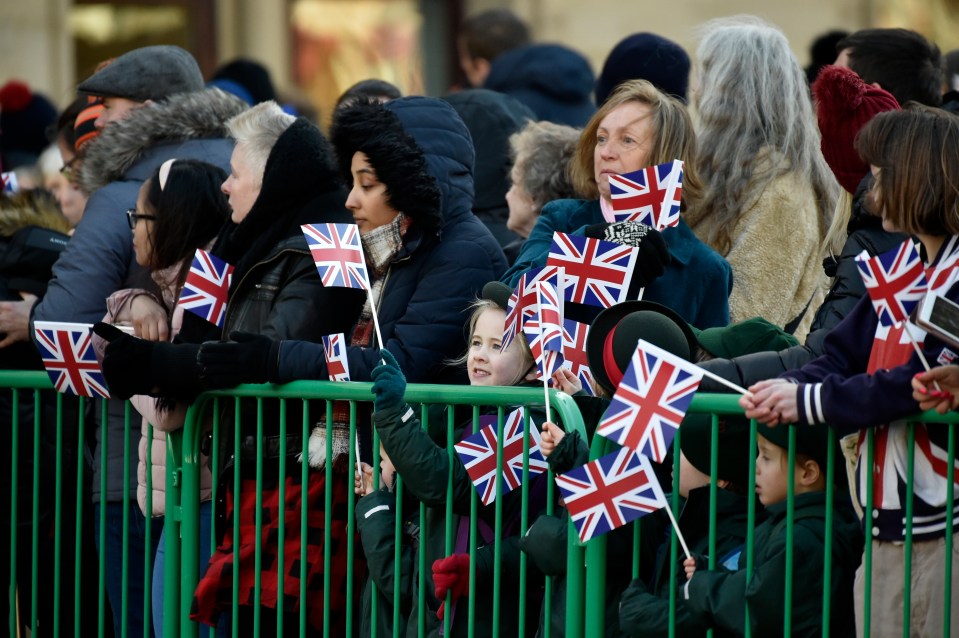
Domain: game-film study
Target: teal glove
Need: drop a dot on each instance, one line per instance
(389, 384)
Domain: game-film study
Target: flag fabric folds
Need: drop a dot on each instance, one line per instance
(478, 454)
(574, 352)
(69, 358)
(207, 286)
(610, 492)
(895, 281)
(338, 254)
(651, 195)
(523, 301)
(651, 401)
(337, 364)
(596, 272)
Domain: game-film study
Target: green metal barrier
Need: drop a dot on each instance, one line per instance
(37, 566)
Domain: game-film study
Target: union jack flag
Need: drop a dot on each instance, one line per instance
(650, 195)
(609, 492)
(895, 280)
(478, 454)
(651, 401)
(338, 254)
(207, 287)
(596, 272)
(9, 181)
(574, 352)
(547, 361)
(67, 353)
(337, 365)
(523, 302)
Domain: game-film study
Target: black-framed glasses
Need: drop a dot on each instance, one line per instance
(133, 216)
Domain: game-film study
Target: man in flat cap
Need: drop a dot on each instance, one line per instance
(155, 109)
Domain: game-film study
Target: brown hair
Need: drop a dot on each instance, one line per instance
(673, 131)
(918, 179)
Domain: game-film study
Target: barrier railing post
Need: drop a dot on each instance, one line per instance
(175, 492)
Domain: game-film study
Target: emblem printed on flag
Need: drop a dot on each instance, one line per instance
(68, 356)
(337, 365)
(574, 352)
(596, 272)
(207, 287)
(338, 254)
(609, 492)
(651, 401)
(650, 196)
(895, 281)
(478, 454)
(523, 302)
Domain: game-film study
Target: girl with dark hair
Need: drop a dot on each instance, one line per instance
(179, 208)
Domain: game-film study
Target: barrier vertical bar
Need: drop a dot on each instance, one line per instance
(751, 515)
(907, 551)
(57, 516)
(14, 493)
(35, 552)
(673, 539)
(148, 539)
(950, 516)
(237, 458)
(350, 522)
(125, 560)
(104, 417)
(304, 511)
(328, 518)
(78, 535)
(179, 541)
(827, 549)
(258, 524)
(790, 532)
(868, 473)
(281, 522)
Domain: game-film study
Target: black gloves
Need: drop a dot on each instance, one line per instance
(545, 543)
(126, 362)
(248, 358)
(653, 250)
(137, 366)
(389, 384)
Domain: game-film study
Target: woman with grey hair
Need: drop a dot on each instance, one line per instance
(282, 174)
(768, 194)
(541, 154)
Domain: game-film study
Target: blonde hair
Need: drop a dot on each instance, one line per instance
(256, 131)
(673, 138)
(477, 308)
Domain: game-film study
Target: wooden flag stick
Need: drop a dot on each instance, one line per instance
(728, 384)
(682, 540)
(546, 394)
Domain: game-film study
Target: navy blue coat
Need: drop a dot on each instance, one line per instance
(696, 284)
(423, 306)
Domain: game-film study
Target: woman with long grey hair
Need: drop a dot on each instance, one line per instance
(768, 194)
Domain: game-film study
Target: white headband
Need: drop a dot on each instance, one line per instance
(165, 172)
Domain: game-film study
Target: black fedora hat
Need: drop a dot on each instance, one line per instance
(628, 322)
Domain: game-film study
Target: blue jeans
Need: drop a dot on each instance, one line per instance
(206, 520)
(113, 562)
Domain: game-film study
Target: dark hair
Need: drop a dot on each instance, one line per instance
(63, 129)
(822, 52)
(918, 180)
(900, 61)
(190, 211)
(491, 33)
(371, 89)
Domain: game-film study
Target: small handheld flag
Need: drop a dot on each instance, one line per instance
(337, 364)
(523, 302)
(651, 401)
(610, 492)
(895, 281)
(651, 195)
(574, 352)
(478, 454)
(207, 286)
(68, 356)
(596, 272)
(338, 254)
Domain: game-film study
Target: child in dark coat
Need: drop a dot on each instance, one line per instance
(720, 598)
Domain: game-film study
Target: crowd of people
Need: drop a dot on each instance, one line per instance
(790, 175)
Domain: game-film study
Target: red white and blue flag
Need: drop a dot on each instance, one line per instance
(479, 455)
(895, 281)
(67, 353)
(337, 364)
(523, 302)
(207, 287)
(650, 195)
(596, 272)
(651, 401)
(338, 254)
(609, 492)
(574, 352)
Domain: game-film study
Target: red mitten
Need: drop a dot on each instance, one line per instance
(452, 574)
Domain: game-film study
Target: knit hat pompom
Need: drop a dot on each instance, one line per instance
(15, 96)
(845, 103)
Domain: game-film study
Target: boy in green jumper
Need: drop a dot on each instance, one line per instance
(721, 597)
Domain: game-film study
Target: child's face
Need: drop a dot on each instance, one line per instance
(771, 474)
(689, 477)
(486, 363)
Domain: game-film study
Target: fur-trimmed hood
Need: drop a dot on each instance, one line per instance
(187, 116)
(420, 149)
(30, 208)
